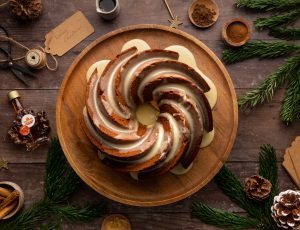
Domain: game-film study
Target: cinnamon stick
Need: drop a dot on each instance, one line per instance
(9, 199)
(4, 192)
(5, 211)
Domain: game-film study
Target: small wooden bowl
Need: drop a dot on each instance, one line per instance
(13, 186)
(211, 4)
(111, 217)
(231, 25)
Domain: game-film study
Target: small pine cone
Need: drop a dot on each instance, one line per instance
(257, 187)
(26, 9)
(286, 210)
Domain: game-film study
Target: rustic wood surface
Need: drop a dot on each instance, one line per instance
(260, 126)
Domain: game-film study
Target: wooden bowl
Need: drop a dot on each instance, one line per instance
(82, 155)
(231, 26)
(13, 186)
(211, 4)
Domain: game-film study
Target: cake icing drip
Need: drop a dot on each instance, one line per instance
(139, 75)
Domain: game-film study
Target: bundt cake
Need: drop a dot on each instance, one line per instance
(174, 90)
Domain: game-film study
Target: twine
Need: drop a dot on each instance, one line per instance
(4, 4)
(39, 53)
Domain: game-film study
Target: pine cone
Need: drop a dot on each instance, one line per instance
(286, 210)
(26, 9)
(257, 187)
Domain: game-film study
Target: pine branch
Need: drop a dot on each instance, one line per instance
(268, 169)
(268, 86)
(60, 180)
(221, 218)
(285, 33)
(232, 187)
(278, 20)
(83, 214)
(28, 219)
(290, 109)
(259, 49)
(50, 226)
(268, 5)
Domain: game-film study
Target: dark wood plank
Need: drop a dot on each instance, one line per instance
(260, 126)
(132, 12)
(30, 178)
(244, 74)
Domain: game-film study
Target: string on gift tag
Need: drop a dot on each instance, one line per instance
(35, 58)
(4, 3)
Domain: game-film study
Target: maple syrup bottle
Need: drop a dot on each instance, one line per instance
(29, 128)
(27, 120)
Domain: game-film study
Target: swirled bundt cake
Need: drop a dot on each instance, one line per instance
(176, 93)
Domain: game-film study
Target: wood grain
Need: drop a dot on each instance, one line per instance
(260, 126)
(82, 154)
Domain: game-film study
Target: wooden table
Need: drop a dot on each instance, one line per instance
(260, 126)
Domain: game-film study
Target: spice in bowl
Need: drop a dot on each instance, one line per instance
(236, 32)
(203, 13)
(116, 222)
(11, 199)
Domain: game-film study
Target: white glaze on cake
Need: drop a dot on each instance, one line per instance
(161, 147)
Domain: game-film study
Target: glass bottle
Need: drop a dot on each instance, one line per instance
(27, 119)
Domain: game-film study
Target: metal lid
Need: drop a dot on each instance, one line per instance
(13, 95)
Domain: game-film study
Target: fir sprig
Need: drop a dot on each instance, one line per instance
(73, 213)
(60, 182)
(268, 5)
(233, 188)
(285, 33)
(37, 213)
(50, 226)
(266, 89)
(222, 218)
(268, 169)
(259, 214)
(290, 110)
(278, 20)
(278, 26)
(259, 49)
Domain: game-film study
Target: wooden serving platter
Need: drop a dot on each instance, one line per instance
(82, 155)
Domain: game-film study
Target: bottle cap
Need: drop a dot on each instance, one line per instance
(13, 95)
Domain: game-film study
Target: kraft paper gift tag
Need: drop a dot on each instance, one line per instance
(68, 34)
(292, 161)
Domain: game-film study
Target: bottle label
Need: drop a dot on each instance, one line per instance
(24, 130)
(28, 120)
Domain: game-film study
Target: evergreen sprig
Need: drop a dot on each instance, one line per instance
(60, 182)
(259, 214)
(278, 20)
(268, 5)
(222, 218)
(278, 26)
(50, 226)
(266, 89)
(261, 49)
(268, 169)
(285, 33)
(72, 213)
(290, 110)
(233, 188)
